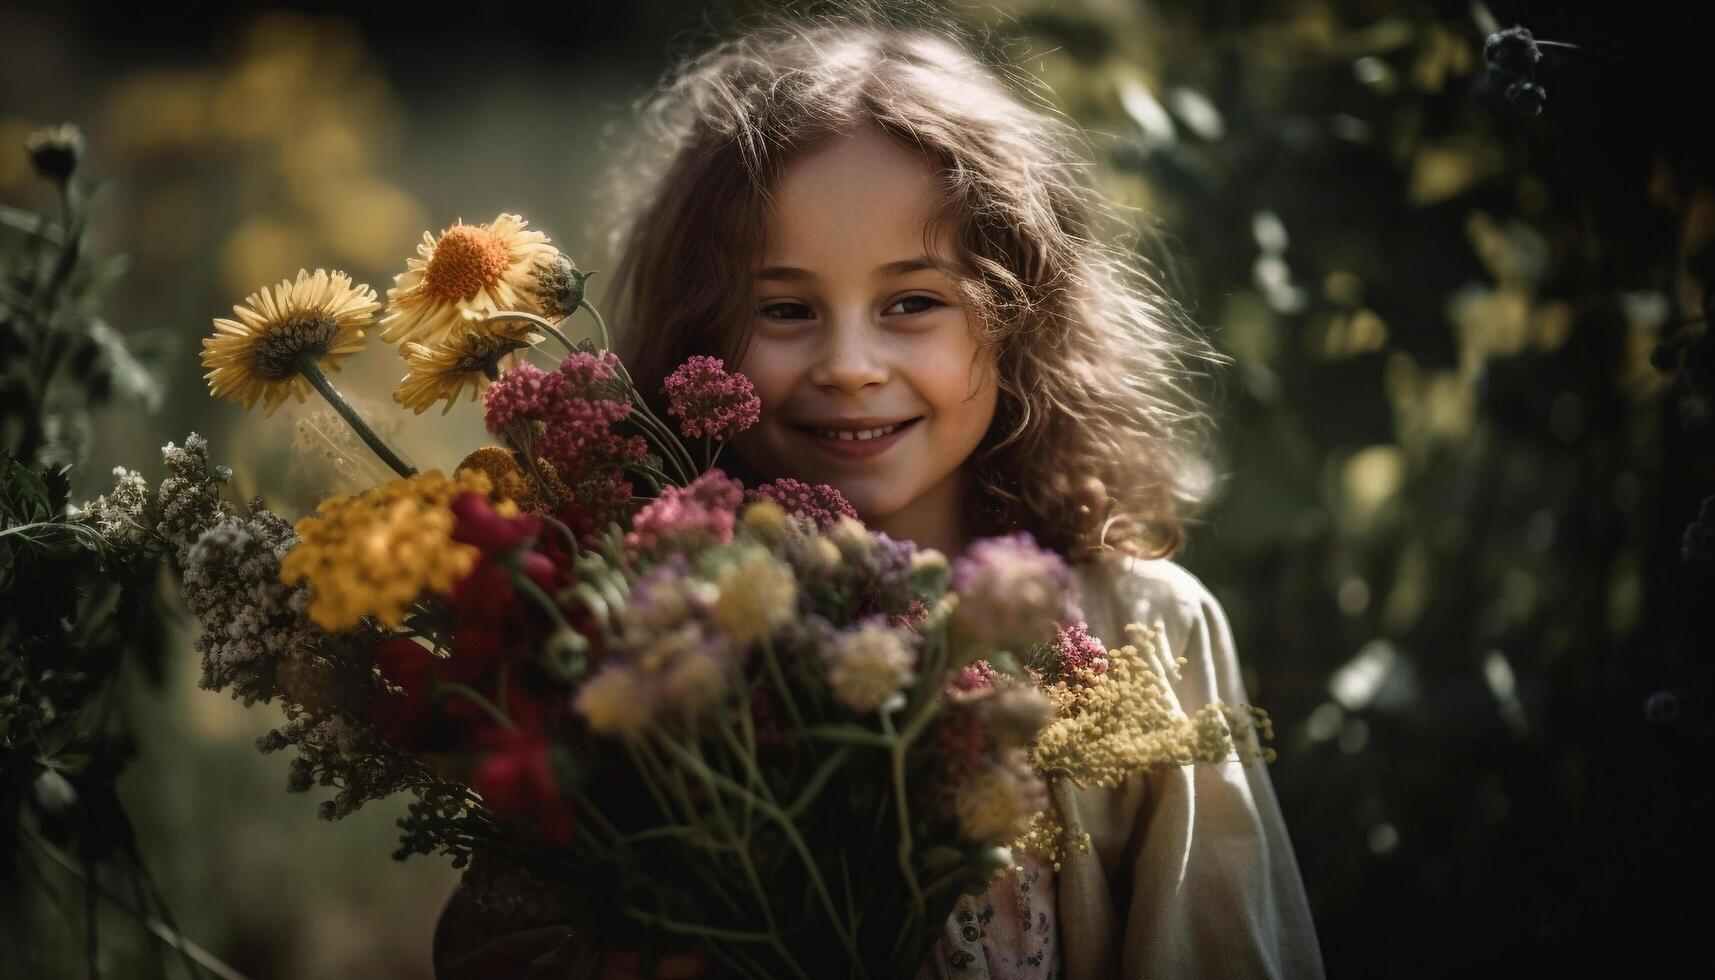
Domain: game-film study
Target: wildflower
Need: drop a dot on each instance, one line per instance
(571, 413)
(376, 553)
(709, 401)
(700, 513)
(468, 359)
(55, 151)
(1075, 649)
(557, 286)
(764, 517)
(494, 529)
(502, 469)
(1012, 593)
(997, 803)
(122, 517)
(281, 336)
(189, 500)
(663, 599)
(867, 665)
(515, 775)
(758, 594)
(251, 621)
(1125, 719)
(615, 702)
(975, 677)
(817, 501)
(462, 276)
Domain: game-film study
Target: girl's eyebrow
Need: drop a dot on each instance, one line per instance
(787, 273)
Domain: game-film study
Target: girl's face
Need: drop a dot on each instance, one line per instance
(870, 374)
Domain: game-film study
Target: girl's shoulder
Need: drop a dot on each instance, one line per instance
(1191, 635)
(1122, 589)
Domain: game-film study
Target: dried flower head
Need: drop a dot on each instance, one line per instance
(702, 512)
(1013, 594)
(557, 286)
(55, 150)
(469, 359)
(462, 276)
(867, 665)
(502, 469)
(816, 501)
(996, 804)
(261, 355)
(376, 553)
(1125, 720)
(758, 595)
(709, 401)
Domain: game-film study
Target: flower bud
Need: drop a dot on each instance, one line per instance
(55, 151)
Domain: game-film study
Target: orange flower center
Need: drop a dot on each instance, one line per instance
(466, 259)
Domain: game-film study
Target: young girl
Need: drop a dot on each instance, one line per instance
(907, 261)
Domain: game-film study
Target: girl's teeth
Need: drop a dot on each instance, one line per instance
(857, 435)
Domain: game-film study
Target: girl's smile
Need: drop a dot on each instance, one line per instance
(871, 375)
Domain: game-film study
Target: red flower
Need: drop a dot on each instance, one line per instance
(477, 523)
(515, 775)
(402, 719)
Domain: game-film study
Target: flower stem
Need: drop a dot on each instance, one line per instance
(465, 690)
(601, 324)
(312, 373)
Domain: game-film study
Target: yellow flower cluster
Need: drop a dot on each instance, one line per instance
(758, 595)
(376, 553)
(1124, 720)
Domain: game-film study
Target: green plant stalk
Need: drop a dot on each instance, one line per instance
(771, 809)
(641, 751)
(600, 323)
(156, 927)
(482, 702)
(312, 373)
(779, 677)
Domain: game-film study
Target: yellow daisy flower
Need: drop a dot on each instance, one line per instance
(467, 273)
(445, 370)
(376, 553)
(260, 355)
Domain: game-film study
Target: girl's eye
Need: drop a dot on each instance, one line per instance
(774, 310)
(932, 301)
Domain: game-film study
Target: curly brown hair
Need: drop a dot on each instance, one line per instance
(1101, 438)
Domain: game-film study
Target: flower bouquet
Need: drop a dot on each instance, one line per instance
(633, 696)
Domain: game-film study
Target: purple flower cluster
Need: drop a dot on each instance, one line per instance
(1013, 593)
(710, 401)
(816, 501)
(700, 513)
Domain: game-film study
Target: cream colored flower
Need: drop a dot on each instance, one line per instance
(467, 273)
(446, 370)
(758, 595)
(260, 355)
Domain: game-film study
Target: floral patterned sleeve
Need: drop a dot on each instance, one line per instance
(1009, 933)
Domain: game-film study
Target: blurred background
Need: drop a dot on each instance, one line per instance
(1465, 438)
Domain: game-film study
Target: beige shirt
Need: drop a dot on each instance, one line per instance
(1190, 872)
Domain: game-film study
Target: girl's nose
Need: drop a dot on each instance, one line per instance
(851, 358)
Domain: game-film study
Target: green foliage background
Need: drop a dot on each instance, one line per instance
(1453, 490)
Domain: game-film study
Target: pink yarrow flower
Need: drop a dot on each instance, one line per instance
(1076, 649)
(703, 511)
(577, 405)
(817, 501)
(710, 401)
